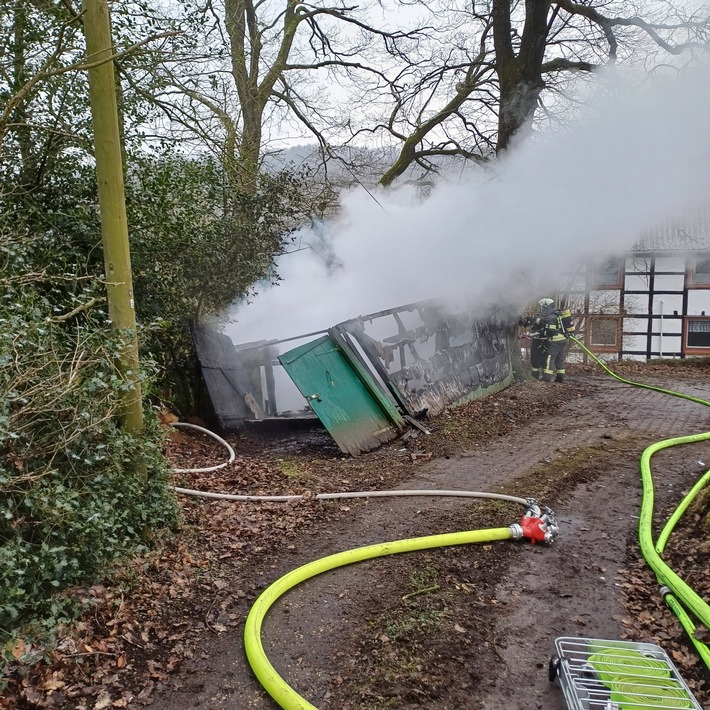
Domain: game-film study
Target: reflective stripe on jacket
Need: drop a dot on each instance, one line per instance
(556, 327)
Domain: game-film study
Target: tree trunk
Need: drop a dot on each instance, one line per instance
(112, 203)
(519, 76)
(516, 356)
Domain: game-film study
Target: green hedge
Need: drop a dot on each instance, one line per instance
(76, 492)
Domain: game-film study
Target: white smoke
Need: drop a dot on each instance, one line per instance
(634, 158)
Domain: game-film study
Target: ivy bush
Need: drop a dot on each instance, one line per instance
(76, 492)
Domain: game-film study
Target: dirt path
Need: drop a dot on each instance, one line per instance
(502, 607)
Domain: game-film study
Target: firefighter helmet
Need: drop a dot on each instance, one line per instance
(545, 302)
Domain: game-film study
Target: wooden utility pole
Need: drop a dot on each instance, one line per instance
(112, 201)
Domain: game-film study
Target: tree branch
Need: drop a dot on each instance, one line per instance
(561, 64)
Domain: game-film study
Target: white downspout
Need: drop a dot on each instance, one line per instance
(660, 333)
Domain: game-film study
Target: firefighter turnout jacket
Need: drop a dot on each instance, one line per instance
(554, 327)
(550, 329)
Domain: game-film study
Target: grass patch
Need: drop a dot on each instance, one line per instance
(421, 609)
(293, 469)
(438, 615)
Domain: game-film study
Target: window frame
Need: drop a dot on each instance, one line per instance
(693, 349)
(690, 281)
(599, 348)
(592, 274)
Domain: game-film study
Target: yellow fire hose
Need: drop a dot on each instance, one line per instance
(273, 683)
(674, 588)
(678, 595)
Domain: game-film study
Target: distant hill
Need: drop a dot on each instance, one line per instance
(349, 165)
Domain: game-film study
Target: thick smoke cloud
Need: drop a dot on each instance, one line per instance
(634, 158)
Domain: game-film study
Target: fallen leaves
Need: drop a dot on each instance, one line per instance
(143, 623)
(146, 621)
(18, 649)
(650, 619)
(103, 701)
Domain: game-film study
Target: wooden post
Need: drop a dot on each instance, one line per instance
(112, 202)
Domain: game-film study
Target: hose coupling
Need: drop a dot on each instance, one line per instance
(541, 528)
(516, 531)
(552, 527)
(533, 507)
(665, 591)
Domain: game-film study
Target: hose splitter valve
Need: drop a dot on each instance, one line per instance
(536, 525)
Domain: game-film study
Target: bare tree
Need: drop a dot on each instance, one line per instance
(43, 65)
(267, 68)
(475, 102)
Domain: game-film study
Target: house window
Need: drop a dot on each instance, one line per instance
(700, 273)
(606, 275)
(604, 332)
(698, 333)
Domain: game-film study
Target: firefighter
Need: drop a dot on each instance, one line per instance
(551, 329)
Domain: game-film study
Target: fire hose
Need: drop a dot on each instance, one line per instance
(536, 525)
(531, 527)
(678, 595)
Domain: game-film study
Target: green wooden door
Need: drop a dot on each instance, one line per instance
(337, 396)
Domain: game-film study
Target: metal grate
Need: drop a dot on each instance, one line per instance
(598, 674)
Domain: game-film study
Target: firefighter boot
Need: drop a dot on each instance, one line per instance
(559, 377)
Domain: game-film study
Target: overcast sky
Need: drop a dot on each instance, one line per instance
(635, 157)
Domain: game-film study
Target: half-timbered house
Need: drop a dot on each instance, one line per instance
(652, 301)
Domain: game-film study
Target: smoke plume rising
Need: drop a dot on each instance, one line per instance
(634, 158)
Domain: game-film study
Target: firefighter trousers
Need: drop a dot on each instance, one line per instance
(553, 367)
(538, 356)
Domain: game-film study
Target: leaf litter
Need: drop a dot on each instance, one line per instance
(149, 616)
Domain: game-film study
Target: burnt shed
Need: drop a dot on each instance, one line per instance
(366, 379)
